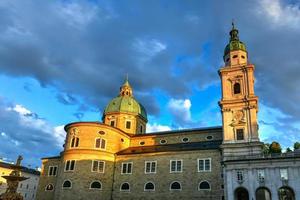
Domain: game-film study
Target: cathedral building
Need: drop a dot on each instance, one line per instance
(116, 159)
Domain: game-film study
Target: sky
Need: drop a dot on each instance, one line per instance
(62, 61)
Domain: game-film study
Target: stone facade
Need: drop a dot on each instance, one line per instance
(119, 149)
(270, 180)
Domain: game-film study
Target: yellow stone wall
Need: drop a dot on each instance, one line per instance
(239, 110)
(237, 57)
(120, 122)
(117, 140)
(173, 138)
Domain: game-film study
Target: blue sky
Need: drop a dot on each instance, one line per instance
(62, 61)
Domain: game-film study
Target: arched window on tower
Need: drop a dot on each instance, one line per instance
(237, 88)
(75, 142)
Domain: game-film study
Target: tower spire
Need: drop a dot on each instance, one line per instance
(234, 33)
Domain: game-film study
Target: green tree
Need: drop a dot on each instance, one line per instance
(297, 145)
(275, 147)
(288, 149)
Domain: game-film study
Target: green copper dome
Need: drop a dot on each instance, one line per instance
(125, 102)
(234, 42)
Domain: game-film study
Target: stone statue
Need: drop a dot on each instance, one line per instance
(13, 180)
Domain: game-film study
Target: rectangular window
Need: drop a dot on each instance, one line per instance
(128, 124)
(141, 129)
(100, 143)
(284, 174)
(261, 175)
(239, 175)
(175, 166)
(52, 171)
(150, 167)
(70, 165)
(240, 134)
(204, 165)
(98, 166)
(126, 168)
(112, 122)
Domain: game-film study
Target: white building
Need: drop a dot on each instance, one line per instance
(28, 187)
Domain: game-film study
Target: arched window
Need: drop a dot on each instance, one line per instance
(204, 185)
(175, 186)
(96, 185)
(263, 193)
(125, 187)
(237, 88)
(241, 194)
(49, 187)
(149, 186)
(100, 143)
(286, 193)
(75, 142)
(67, 184)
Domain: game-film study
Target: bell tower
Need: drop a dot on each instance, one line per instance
(238, 104)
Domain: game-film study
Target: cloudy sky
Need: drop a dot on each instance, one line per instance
(62, 61)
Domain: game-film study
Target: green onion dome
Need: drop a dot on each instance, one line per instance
(234, 42)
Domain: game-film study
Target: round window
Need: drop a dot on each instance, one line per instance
(122, 140)
(142, 143)
(163, 141)
(210, 137)
(185, 139)
(101, 132)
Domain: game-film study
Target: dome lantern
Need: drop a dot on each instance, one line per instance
(235, 52)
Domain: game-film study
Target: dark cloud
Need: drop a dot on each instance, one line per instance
(66, 99)
(26, 134)
(85, 48)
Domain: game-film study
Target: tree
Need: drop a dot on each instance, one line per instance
(288, 150)
(275, 147)
(297, 145)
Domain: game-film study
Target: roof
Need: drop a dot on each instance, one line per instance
(191, 146)
(52, 157)
(126, 104)
(234, 42)
(23, 169)
(203, 129)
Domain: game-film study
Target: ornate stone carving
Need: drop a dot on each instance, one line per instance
(74, 131)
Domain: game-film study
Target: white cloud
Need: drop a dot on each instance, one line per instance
(149, 47)
(30, 119)
(180, 109)
(280, 14)
(19, 109)
(76, 14)
(157, 128)
(59, 134)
